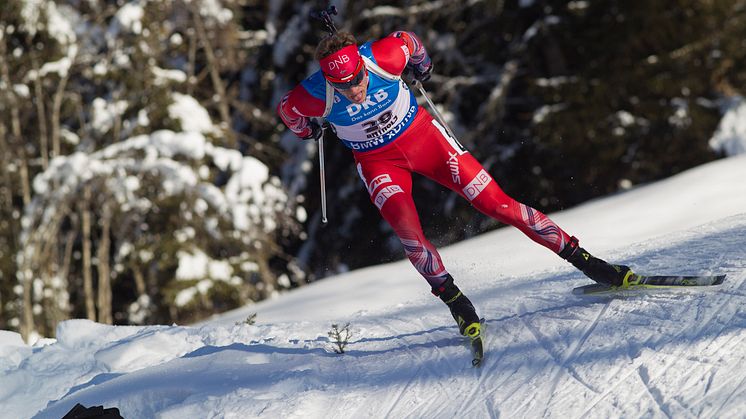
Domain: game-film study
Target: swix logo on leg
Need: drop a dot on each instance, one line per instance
(477, 185)
(378, 181)
(452, 163)
(385, 194)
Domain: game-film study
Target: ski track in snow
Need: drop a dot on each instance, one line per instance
(565, 364)
(707, 326)
(492, 360)
(471, 401)
(427, 364)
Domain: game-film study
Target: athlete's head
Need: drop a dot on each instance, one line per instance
(343, 66)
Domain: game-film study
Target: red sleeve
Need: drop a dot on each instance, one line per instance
(391, 54)
(297, 107)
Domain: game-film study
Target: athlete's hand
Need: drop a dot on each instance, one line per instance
(412, 73)
(423, 75)
(316, 131)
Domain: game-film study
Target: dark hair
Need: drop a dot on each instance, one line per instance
(334, 43)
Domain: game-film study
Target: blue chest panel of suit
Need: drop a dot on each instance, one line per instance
(388, 109)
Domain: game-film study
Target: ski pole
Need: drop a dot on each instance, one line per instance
(325, 16)
(437, 114)
(322, 174)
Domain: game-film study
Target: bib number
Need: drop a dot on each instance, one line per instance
(374, 125)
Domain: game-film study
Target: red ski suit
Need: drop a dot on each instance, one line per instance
(419, 144)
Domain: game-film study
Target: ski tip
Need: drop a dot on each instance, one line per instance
(719, 279)
(476, 362)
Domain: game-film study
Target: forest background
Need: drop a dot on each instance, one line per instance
(145, 177)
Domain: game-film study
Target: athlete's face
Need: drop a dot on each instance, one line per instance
(356, 93)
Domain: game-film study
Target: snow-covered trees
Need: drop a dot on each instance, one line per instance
(126, 198)
(157, 208)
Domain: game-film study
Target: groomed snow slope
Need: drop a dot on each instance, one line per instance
(549, 353)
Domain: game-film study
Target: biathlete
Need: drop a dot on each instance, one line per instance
(359, 90)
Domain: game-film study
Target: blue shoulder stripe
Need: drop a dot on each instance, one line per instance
(315, 85)
(367, 50)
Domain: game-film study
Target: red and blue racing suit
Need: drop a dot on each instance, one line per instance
(391, 136)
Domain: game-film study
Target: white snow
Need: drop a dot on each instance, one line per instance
(60, 67)
(164, 76)
(192, 116)
(12, 350)
(549, 353)
(30, 13)
(129, 18)
(196, 265)
(22, 91)
(60, 22)
(541, 114)
(213, 10)
(105, 113)
(730, 137)
(625, 118)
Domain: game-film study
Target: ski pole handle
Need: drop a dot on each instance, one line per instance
(322, 174)
(325, 16)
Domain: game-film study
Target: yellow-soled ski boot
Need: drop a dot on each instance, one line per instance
(461, 308)
(598, 269)
(473, 330)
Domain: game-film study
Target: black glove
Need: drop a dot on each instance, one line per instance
(423, 75)
(316, 131)
(410, 74)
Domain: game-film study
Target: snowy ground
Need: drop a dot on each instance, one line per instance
(549, 353)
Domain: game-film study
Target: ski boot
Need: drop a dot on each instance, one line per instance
(597, 269)
(461, 308)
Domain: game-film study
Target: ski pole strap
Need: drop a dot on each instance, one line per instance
(377, 70)
(329, 99)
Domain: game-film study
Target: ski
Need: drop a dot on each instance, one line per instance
(477, 345)
(477, 348)
(652, 282)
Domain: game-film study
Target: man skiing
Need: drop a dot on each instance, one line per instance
(360, 92)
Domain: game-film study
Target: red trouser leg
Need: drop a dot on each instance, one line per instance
(390, 189)
(444, 160)
(426, 149)
(493, 202)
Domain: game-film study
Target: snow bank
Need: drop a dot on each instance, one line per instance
(13, 350)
